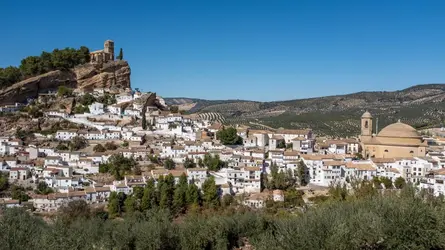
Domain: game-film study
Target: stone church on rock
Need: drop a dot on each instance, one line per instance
(103, 55)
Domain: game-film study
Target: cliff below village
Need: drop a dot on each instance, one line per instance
(113, 74)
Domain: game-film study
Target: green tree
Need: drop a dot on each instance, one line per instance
(386, 182)
(87, 99)
(363, 189)
(79, 109)
(116, 204)
(46, 62)
(227, 200)
(213, 163)
(34, 112)
(338, 191)
(4, 184)
(189, 163)
(210, 193)
(174, 109)
(64, 91)
(167, 189)
(118, 166)
(19, 193)
(110, 146)
(74, 210)
(200, 163)
(294, 198)
(193, 195)
(99, 148)
(131, 204)
(302, 173)
(149, 199)
(42, 188)
(281, 144)
(144, 122)
(358, 156)
(62, 147)
(121, 55)
(169, 164)
(281, 179)
(180, 195)
(377, 182)
(153, 158)
(9, 76)
(77, 143)
(399, 183)
(229, 136)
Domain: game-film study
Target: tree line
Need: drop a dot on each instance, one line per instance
(407, 219)
(166, 194)
(30, 66)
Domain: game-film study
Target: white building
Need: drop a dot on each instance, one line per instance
(66, 135)
(96, 108)
(18, 173)
(124, 97)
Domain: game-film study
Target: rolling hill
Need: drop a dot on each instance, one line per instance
(420, 106)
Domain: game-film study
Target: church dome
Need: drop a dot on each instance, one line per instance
(399, 129)
(366, 115)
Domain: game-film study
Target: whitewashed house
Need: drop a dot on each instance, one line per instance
(66, 135)
(96, 108)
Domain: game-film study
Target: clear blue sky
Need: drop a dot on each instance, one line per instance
(240, 49)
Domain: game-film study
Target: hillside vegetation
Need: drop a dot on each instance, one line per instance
(402, 221)
(36, 65)
(420, 106)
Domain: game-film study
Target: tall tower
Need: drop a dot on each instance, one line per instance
(109, 48)
(366, 124)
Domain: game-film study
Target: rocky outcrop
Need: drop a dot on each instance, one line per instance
(31, 87)
(113, 75)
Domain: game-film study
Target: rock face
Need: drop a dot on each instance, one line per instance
(31, 87)
(115, 74)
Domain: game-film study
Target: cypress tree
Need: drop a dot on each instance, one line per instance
(192, 195)
(210, 190)
(167, 190)
(149, 200)
(121, 55)
(180, 196)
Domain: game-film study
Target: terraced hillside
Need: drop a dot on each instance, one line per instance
(419, 106)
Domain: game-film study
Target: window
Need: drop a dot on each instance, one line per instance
(366, 124)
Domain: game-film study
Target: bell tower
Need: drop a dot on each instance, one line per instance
(366, 124)
(109, 49)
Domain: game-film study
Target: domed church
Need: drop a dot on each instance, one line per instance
(395, 140)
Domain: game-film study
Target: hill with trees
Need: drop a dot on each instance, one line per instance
(420, 106)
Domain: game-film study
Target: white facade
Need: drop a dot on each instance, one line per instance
(96, 108)
(66, 135)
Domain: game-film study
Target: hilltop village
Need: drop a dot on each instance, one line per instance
(117, 140)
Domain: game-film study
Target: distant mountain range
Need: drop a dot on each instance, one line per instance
(420, 106)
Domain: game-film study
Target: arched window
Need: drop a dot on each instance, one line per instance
(366, 124)
(386, 150)
(411, 152)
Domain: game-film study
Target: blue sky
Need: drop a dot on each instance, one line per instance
(242, 49)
